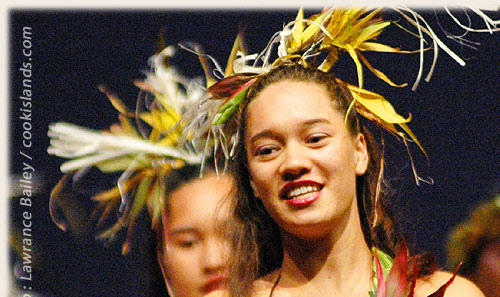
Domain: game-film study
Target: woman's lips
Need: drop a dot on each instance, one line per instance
(301, 193)
(213, 284)
(306, 200)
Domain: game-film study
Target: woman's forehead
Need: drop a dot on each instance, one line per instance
(289, 102)
(200, 199)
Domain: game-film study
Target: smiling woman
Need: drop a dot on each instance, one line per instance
(307, 211)
(300, 152)
(311, 218)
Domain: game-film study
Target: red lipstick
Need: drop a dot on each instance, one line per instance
(213, 284)
(304, 199)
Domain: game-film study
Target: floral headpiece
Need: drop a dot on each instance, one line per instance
(318, 42)
(142, 153)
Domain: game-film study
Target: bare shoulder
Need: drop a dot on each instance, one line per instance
(460, 286)
(260, 288)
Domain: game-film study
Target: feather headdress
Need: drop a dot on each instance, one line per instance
(318, 42)
(142, 147)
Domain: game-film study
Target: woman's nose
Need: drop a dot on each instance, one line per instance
(214, 258)
(295, 161)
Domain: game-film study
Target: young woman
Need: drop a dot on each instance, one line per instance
(188, 213)
(307, 178)
(194, 250)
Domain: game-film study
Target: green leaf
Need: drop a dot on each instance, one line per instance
(140, 197)
(386, 261)
(228, 109)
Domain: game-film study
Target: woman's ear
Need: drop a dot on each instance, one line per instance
(361, 154)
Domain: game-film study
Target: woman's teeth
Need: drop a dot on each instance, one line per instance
(302, 191)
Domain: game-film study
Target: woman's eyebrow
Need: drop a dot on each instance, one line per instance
(313, 122)
(182, 230)
(305, 124)
(262, 134)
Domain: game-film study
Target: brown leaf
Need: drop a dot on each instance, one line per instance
(229, 85)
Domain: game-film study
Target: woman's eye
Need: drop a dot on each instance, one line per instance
(265, 150)
(315, 138)
(187, 243)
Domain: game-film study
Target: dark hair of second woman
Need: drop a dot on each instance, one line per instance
(256, 237)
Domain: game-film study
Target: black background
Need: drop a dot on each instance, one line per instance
(455, 116)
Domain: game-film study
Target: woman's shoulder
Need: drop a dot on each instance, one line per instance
(260, 288)
(459, 287)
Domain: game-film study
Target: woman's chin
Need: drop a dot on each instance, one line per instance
(309, 228)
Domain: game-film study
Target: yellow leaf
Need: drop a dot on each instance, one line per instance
(154, 136)
(109, 207)
(344, 29)
(140, 197)
(205, 64)
(313, 28)
(359, 67)
(336, 23)
(377, 105)
(143, 85)
(379, 47)
(368, 33)
(115, 192)
(146, 117)
(116, 164)
(155, 205)
(410, 133)
(237, 46)
(127, 126)
(170, 117)
(157, 122)
(107, 195)
(115, 101)
(372, 117)
(366, 19)
(297, 29)
(330, 60)
(378, 73)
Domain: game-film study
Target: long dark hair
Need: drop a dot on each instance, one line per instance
(256, 237)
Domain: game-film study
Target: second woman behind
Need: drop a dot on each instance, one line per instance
(194, 250)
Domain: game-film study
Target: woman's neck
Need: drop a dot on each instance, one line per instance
(339, 261)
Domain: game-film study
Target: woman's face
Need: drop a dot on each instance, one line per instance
(196, 253)
(302, 160)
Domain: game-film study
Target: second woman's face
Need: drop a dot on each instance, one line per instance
(303, 161)
(196, 253)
